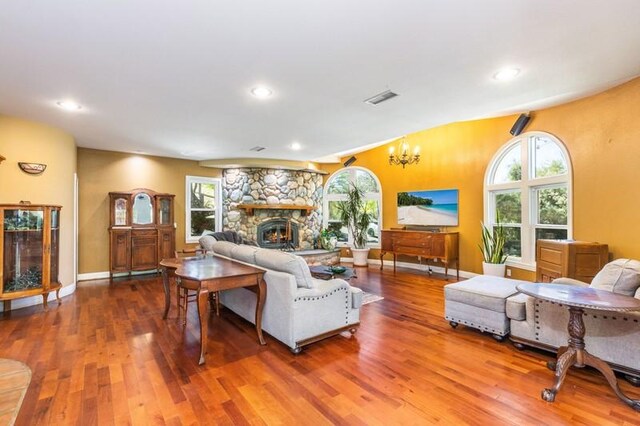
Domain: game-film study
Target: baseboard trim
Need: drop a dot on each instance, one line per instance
(25, 302)
(102, 275)
(417, 266)
(93, 276)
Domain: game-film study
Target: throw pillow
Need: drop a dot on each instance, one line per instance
(622, 276)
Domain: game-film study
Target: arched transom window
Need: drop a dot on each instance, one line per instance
(335, 191)
(528, 187)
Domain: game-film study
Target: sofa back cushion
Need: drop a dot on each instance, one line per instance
(223, 248)
(286, 262)
(244, 253)
(206, 242)
(622, 276)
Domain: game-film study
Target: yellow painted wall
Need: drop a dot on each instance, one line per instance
(602, 134)
(101, 172)
(26, 141)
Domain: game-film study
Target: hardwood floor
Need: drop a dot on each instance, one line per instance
(105, 356)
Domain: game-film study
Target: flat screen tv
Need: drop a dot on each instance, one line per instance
(428, 208)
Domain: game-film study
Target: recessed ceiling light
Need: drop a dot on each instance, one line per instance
(261, 92)
(296, 146)
(506, 74)
(68, 105)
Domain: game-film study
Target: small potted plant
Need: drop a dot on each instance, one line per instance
(492, 249)
(327, 239)
(356, 217)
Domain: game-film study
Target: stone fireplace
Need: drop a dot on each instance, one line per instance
(278, 233)
(271, 187)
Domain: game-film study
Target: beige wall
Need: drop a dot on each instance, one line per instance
(25, 141)
(101, 172)
(602, 134)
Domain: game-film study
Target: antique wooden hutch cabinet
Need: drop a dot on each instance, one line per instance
(141, 231)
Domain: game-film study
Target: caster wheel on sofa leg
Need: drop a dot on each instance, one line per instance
(453, 324)
(551, 365)
(548, 395)
(296, 350)
(498, 337)
(518, 346)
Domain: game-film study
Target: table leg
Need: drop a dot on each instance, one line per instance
(203, 298)
(551, 365)
(565, 361)
(607, 372)
(261, 297)
(167, 295)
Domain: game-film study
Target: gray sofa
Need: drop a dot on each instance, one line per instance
(614, 337)
(299, 309)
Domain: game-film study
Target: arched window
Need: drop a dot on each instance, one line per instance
(335, 191)
(528, 186)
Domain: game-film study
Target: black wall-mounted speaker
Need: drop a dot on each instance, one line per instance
(520, 124)
(350, 161)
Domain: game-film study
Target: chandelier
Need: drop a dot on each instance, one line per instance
(403, 156)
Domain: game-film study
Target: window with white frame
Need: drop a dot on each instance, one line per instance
(203, 203)
(335, 191)
(528, 187)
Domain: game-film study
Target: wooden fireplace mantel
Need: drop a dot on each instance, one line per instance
(249, 208)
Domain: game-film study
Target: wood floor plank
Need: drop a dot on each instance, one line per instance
(106, 356)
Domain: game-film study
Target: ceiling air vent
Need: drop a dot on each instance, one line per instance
(258, 148)
(380, 97)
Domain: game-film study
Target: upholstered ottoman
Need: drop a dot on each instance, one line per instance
(480, 302)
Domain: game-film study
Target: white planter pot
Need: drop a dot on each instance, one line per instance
(494, 269)
(360, 256)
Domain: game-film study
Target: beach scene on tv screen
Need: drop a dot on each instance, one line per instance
(431, 208)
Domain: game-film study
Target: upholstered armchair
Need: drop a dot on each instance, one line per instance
(614, 337)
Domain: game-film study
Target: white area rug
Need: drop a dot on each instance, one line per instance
(370, 298)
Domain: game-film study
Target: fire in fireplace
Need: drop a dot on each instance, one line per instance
(278, 234)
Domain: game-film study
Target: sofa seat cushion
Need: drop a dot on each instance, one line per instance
(622, 276)
(517, 307)
(483, 291)
(286, 262)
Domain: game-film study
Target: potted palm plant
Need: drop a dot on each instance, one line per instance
(356, 217)
(492, 248)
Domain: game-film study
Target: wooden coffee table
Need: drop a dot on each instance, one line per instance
(577, 299)
(211, 274)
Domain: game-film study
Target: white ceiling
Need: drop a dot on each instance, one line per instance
(172, 78)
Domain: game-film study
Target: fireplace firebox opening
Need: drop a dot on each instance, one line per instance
(278, 233)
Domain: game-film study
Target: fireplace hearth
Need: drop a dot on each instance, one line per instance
(278, 234)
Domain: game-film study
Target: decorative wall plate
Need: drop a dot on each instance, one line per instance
(32, 168)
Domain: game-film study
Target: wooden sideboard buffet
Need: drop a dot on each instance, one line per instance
(141, 231)
(441, 246)
(29, 249)
(580, 260)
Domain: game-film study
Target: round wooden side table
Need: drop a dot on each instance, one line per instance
(577, 299)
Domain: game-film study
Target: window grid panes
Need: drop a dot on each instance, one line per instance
(335, 190)
(528, 187)
(203, 213)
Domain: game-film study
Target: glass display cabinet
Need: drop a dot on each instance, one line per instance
(141, 231)
(30, 251)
